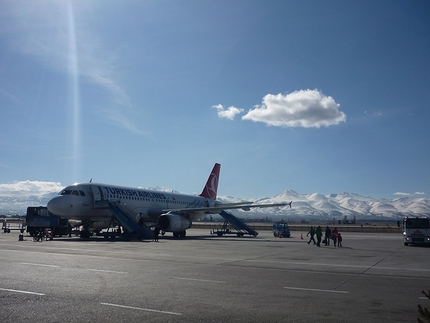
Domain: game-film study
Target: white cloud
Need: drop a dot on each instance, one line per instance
(304, 108)
(26, 188)
(409, 194)
(402, 193)
(228, 113)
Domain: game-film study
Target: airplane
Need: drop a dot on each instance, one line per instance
(172, 212)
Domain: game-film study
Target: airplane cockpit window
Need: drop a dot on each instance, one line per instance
(72, 192)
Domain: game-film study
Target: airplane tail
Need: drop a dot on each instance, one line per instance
(211, 187)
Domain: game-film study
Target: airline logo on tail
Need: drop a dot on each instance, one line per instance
(211, 187)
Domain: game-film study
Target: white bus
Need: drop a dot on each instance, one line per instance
(416, 230)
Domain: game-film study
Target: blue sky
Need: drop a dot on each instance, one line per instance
(313, 96)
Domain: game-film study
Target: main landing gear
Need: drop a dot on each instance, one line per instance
(85, 231)
(180, 234)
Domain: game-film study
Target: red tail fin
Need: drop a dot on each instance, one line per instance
(211, 187)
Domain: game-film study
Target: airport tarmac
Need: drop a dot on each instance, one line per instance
(204, 278)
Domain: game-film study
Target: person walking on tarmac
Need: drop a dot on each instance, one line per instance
(327, 236)
(312, 233)
(334, 235)
(156, 233)
(339, 240)
(318, 233)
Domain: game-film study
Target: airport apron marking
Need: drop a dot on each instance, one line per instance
(141, 309)
(318, 290)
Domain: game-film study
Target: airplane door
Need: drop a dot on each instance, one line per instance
(98, 197)
(97, 193)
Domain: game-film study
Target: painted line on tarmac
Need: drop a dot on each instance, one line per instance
(42, 265)
(109, 271)
(141, 309)
(21, 291)
(370, 266)
(394, 268)
(318, 290)
(202, 280)
(305, 263)
(38, 245)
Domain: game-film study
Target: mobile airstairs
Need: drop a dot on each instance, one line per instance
(234, 222)
(127, 218)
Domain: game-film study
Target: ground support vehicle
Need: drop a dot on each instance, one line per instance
(235, 223)
(39, 218)
(12, 224)
(416, 230)
(281, 230)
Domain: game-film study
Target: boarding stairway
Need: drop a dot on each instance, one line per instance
(127, 218)
(237, 224)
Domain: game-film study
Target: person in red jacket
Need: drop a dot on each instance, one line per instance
(339, 240)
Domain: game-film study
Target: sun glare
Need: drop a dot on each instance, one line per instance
(74, 92)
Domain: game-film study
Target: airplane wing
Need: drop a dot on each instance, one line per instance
(218, 208)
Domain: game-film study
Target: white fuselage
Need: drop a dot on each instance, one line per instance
(82, 202)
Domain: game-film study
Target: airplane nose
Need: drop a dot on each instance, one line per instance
(54, 206)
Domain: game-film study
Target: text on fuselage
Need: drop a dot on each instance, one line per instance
(137, 193)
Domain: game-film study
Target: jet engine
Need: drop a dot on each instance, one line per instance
(170, 222)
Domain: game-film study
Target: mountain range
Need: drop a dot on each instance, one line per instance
(304, 206)
(339, 206)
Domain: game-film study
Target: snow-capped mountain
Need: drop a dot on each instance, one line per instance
(307, 206)
(337, 206)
